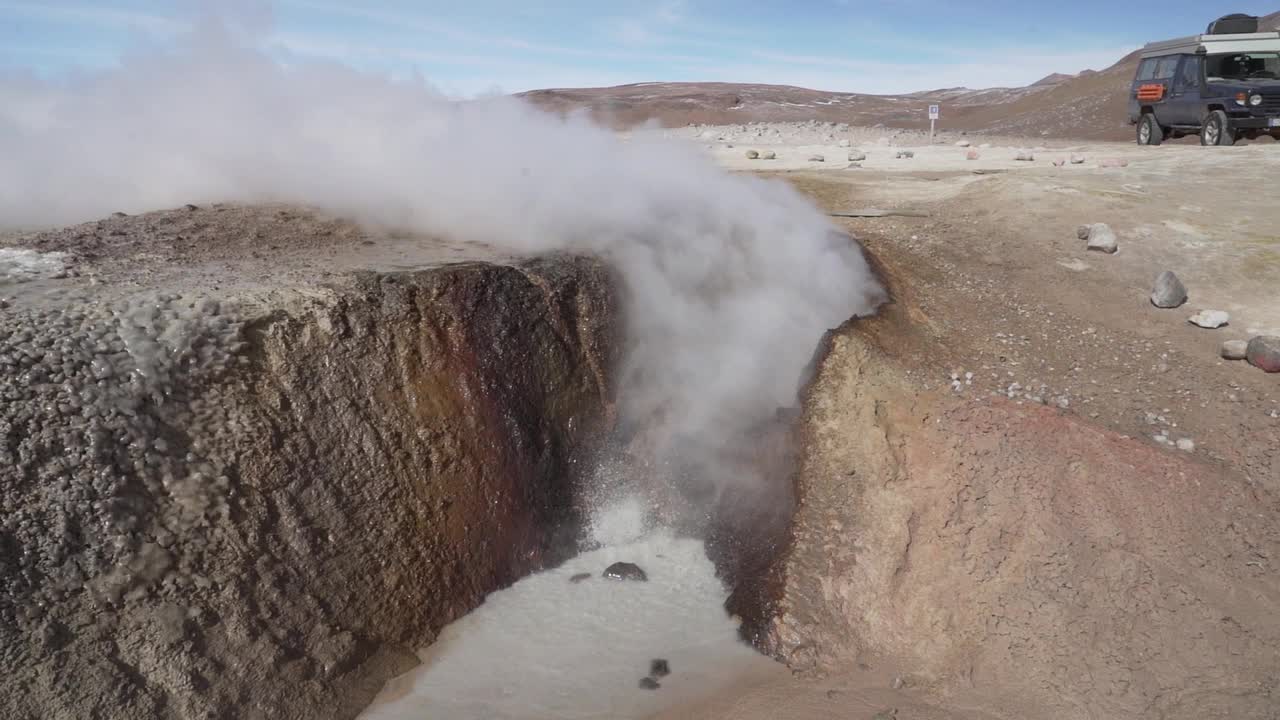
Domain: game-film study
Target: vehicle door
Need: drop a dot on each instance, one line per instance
(1185, 103)
(1155, 81)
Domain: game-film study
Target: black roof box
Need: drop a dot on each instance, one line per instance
(1235, 24)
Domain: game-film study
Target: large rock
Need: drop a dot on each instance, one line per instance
(1019, 558)
(1264, 352)
(256, 503)
(1168, 291)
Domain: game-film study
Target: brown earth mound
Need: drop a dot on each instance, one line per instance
(1019, 560)
(257, 503)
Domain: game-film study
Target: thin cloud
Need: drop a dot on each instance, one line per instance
(96, 16)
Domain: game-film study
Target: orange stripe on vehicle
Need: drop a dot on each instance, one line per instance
(1150, 92)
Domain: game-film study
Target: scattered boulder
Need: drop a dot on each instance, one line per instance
(857, 156)
(1235, 349)
(905, 155)
(753, 154)
(1077, 159)
(1168, 292)
(1083, 231)
(1102, 239)
(1113, 163)
(963, 143)
(768, 155)
(191, 208)
(1025, 157)
(648, 683)
(580, 577)
(624, 571)
(817, 158)
(1263, 352)
(1187, 445)
(1209, 319)
(844, 143)
(659, 667)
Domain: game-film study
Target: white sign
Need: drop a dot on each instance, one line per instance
(933, 112)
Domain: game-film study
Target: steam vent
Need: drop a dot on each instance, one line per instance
(263, 462)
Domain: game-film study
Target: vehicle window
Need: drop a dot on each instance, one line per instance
(1147, 70)
(1166, 68)
(1189, 75)
(1238, 66)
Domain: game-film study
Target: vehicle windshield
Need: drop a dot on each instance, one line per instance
(1243, 66)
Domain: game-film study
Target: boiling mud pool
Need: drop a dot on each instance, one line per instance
(550, 648)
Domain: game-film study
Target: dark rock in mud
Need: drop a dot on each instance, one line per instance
(648, 683)
(659, 667)
(624, 571)
(580, 577)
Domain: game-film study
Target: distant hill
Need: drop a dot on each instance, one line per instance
(1054, 79)
(1090, 105)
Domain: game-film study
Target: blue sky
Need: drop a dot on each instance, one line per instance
(479, 46)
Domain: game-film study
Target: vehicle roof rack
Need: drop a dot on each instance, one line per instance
(1214, 44)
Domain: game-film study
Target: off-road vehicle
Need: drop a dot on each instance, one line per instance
(1223, 85)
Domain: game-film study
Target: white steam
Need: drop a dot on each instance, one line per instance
(731, 280)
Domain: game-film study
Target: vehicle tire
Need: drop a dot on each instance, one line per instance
(1149, 131)
(1216, 130)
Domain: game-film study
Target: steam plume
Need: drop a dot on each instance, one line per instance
(731, 279)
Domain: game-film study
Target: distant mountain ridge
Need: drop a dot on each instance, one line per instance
(1090, 105)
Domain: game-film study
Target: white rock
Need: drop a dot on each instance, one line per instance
(1211, 319)
(1025, 157)
(844, 143)
(768, 155)
(963, 143)
(905, 155)
(984, 146)
(1235, 349)
(1077, 159)
(1102, 239)
(753, 154)
(857, 156)
(1187, 445)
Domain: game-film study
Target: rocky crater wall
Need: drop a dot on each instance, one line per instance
(209, 511)
(1016, 559)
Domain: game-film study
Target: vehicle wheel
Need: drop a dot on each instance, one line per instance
(1149, 132)
(1216, 130)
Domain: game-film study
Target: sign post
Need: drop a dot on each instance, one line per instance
(933, 118)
